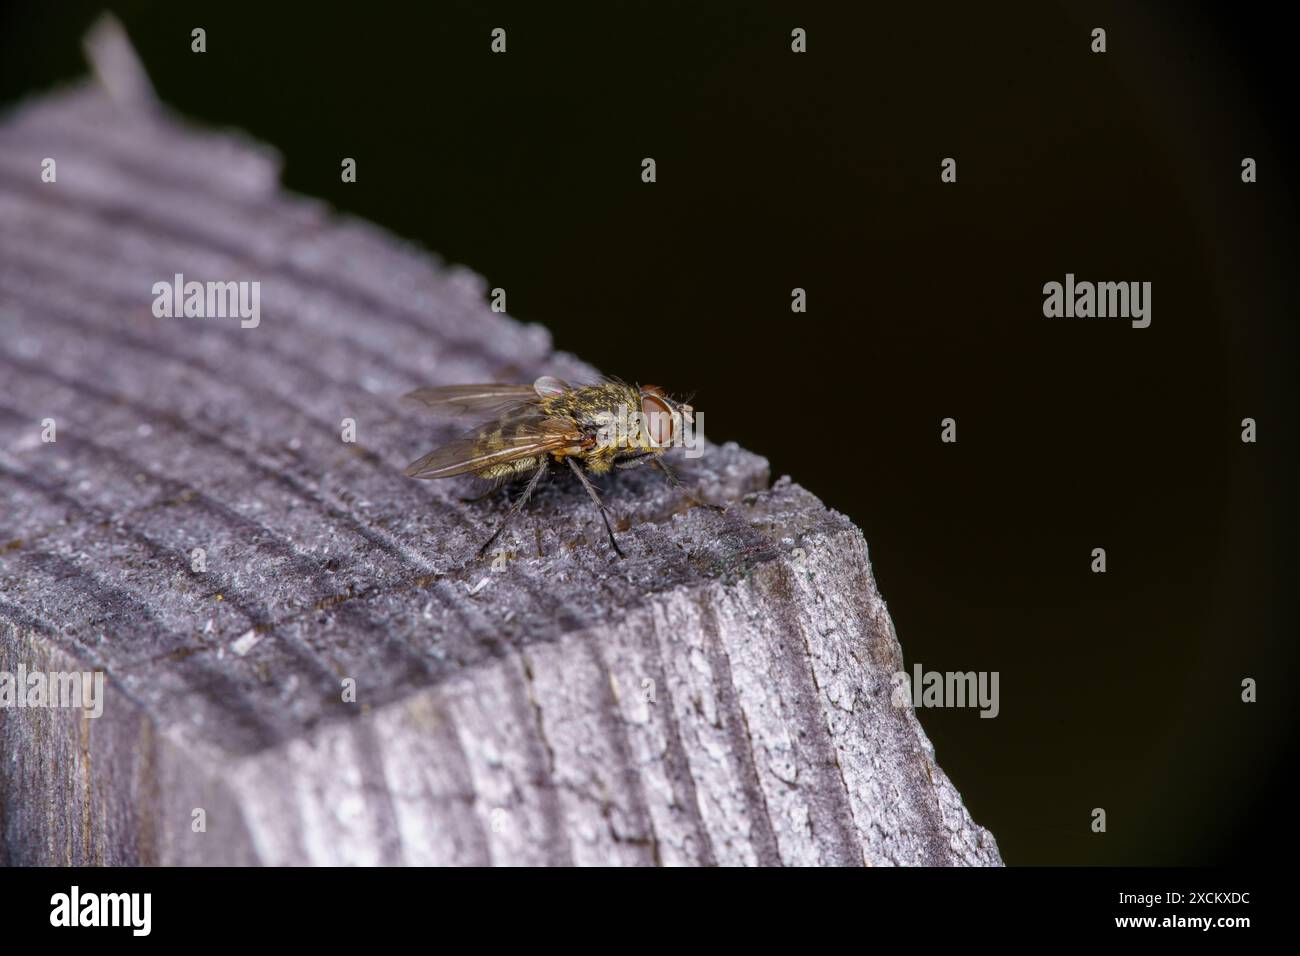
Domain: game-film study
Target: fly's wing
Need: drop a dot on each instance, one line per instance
(523, 434)
(478, 401)
(484, 401)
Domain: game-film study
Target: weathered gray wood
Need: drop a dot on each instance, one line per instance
(501, 717)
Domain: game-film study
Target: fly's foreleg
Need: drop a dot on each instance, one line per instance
(677, 483)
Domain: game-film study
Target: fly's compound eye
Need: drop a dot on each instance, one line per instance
(656, 416)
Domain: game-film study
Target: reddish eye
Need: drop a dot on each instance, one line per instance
(658, 418)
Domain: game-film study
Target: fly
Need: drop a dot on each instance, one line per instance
(530, 428)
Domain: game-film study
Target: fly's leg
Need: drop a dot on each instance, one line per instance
(514, 508)
(591, 490)
(677, 483)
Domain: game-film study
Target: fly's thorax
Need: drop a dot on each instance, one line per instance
(589, 406)
(594, 409)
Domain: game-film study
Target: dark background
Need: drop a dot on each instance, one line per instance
(821, 171)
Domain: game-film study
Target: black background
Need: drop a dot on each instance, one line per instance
(821, 171)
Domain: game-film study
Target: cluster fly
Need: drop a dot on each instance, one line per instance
(532, 427)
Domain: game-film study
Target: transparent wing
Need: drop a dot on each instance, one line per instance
(481, 401)
(522, 435)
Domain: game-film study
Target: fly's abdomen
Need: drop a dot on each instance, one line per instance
(507, 468)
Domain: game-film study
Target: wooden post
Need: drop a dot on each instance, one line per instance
(304, 661)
